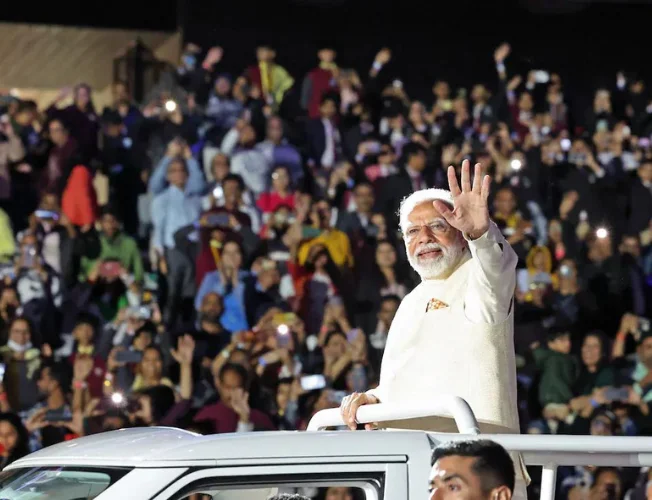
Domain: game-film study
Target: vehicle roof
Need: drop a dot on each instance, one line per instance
(140, 447)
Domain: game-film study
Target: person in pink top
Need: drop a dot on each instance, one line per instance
(279, 193)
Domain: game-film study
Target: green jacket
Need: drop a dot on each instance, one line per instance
(122, 248)
(558, 375)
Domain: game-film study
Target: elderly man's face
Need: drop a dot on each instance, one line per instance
(434, 247)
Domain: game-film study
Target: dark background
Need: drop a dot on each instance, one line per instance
(585, 41)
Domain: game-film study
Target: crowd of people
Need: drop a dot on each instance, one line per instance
(225, 256)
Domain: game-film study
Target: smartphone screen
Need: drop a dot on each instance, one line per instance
(283, 336)
(617, 394)
(284, 319)
(46, 214)
(128, 356)
(110, 269)
(57, 416)
(313, 382)
(220, 219)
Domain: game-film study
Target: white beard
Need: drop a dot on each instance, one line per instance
(439, 267)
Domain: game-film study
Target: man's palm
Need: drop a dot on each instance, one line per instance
(470, 214)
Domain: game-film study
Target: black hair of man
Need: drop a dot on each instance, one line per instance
(234, 178)
(493, 465)
(239, 370)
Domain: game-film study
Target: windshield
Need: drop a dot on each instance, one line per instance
(57, 483)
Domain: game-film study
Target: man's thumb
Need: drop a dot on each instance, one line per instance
(443, 209)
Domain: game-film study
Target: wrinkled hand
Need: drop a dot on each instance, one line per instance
(350, 405)
(183, 354)
(471, 212)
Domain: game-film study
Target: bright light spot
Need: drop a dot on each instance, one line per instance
(601, 233)
(516, 164)
(283, 329)
(117, 398)
(565, 144)
(170, 106)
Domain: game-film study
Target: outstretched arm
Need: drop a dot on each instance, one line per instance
(492, 279)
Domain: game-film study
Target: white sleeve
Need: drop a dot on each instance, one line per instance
(230, 141)
(394, 348)
(492, 278)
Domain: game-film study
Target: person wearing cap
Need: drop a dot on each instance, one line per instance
(454, 333)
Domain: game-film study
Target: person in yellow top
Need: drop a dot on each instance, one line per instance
(319, 231)
(271, 79)
(7, 241)
(150, 371)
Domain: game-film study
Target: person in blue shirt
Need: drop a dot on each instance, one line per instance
(229, 282)
(176, 206)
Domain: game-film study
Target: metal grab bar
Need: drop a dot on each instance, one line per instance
(443, 405)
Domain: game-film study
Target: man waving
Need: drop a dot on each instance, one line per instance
(454, 334)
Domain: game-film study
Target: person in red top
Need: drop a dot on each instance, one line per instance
(279, 194)
(232, 413)
(319, 81)
(79, 200)
(89, 368)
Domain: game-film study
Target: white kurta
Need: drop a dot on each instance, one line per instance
(465, 348)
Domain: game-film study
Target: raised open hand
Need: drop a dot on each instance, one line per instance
(471, 213)
(501, 53)
(184, 352)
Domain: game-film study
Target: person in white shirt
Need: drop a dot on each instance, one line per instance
(453, 334)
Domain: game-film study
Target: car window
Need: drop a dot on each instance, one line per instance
(263, 493)
(57, 483)
(331, 481)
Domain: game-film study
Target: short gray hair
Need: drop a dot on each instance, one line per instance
(419, 197)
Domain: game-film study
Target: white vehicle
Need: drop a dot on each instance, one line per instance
(172, 464)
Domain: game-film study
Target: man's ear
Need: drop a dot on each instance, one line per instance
(500, 493)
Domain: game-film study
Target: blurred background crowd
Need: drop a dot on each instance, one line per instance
(225, 256)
